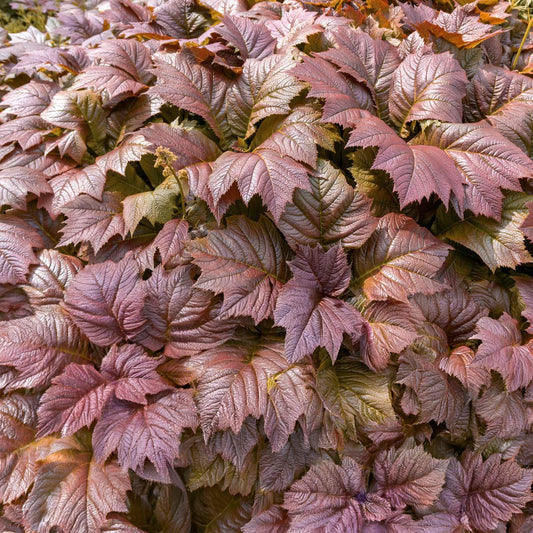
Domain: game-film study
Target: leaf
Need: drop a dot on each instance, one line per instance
(496, 91)
(105, 301)
(439, 397)
(29, 99)
(75, 399)
(251, 38)
(417, 171)
(17, 240)
(78, 396)
(525, 291)
(333, 211)
(93, 221)
(36, 348)
(516, 125)
(265, 88)
(26, 131)
(453, 310)
(74, 492)
(409, 476)
(122, 70)
(498, 244)
(388, 327)
(158, 206)
(19, 453)
(462, 27)
(273, 169)
(245, 262)
(172, 510)
(427, 86)
(400, 259)
(367, 60)
(207, 470)
(355, 397)
(346, 100)
(190, 145)
(333, 498)
(294, 27)
(180, 317)
(182, 18)
(459, 365)
(188, 85)
(79, 111)
(277, 470)
(17, 182)
(48, 280)
(309, 305)
(236, 447)
(480, 493)
(273, 520)
(486, 161)
(145, 435)
(504, 413)
(502, 350)
(91, 179)
(215, 511)
(244, 379)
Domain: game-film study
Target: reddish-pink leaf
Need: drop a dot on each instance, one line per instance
(409, 476)
(400, 259)
(333, 498)
(181, 317)
(427, 86)
(502, 350)
(245, 262)
(17, 240)
(105, 300)
(481, 493)
(93, 221)
(309, 305)
(145, 437)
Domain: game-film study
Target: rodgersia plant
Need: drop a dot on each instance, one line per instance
(266, 268)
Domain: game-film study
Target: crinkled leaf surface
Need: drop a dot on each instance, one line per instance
(309, 307)
(145, 435)
(502, 350)
(331, 212)
(246, 262)
(105, 301)
(333, 498)
(74, 492)
(484, 492)
(400, 259)
(427, 86)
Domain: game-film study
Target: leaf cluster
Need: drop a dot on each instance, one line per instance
(266, 267)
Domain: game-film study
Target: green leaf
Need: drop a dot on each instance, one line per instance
(79, 111)
(157, 206)
(499, 244)
(353, 394)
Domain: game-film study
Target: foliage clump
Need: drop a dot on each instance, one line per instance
(266, 267)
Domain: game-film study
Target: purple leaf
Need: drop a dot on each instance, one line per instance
(309, 305)
(245, 262)
(105, 301)
(480, 493)
(145, 435)
(333, 498)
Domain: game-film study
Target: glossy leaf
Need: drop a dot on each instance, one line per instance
(309, 307)
(245, 262)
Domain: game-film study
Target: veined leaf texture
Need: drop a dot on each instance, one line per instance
(265, 267)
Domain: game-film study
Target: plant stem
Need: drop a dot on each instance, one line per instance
(526, 33)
